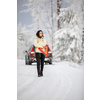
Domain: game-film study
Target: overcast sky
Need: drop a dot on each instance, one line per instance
(24, 18)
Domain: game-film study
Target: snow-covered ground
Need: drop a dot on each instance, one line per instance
(61, 81)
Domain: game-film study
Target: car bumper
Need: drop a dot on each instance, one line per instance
(34, 59)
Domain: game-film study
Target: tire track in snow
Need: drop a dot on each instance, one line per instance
(54, 85)
(26, 83)
(38, 89)
(47, 88)
(66, 86)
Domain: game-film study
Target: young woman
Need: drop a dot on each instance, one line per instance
(39, 41)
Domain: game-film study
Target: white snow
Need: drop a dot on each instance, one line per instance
(69, 40)
(61, 81)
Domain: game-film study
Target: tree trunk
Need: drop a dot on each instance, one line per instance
(58, 11)
(52, 22)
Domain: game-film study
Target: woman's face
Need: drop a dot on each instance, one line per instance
(40, 33)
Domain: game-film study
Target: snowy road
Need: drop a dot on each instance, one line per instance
(60, 82)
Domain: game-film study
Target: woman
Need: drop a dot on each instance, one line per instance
(39, 41)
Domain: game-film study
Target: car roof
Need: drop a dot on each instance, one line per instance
(34, 45)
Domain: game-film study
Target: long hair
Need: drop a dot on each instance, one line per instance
(37, 34)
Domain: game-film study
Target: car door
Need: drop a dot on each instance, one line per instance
(29, 50)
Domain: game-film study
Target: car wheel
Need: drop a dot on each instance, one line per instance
(50, 61)
(25, 61)
(29, 63)
(46, 63)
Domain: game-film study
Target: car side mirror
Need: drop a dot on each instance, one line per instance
(25, 51)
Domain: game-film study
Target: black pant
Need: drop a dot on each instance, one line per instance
(40, 57)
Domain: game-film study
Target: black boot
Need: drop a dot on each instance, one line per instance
(39, 74)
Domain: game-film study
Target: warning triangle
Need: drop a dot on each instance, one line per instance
(45, 52)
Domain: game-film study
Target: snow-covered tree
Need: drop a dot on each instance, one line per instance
(24, 40)
(69, 41)
(20, 41)
(44, 13)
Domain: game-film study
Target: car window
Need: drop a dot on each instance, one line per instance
(34, 48)
(30, 49)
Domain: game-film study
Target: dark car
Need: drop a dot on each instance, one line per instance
(30, 56)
